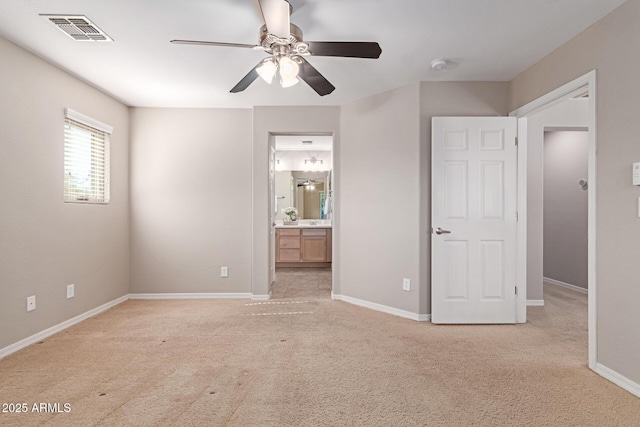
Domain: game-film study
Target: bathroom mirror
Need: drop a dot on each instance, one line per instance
(304, 190)
(303, 166)
(309, 198)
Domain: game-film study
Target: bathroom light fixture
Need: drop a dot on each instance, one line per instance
(313, 161)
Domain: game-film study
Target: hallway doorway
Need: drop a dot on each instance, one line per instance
(530, 236)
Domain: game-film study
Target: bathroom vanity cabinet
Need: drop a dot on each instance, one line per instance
(303, 247)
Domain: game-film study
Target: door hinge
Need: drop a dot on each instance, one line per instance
(516, 141)
(516, 290)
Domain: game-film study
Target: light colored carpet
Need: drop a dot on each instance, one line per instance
(313, 362)
(302, 282)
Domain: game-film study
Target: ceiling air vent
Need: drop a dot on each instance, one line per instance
(307, 142)
(78, 27)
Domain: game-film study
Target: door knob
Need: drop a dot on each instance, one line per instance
(441, 231)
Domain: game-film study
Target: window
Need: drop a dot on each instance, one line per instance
(86, 159)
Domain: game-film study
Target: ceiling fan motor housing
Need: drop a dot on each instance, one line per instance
(279, 46)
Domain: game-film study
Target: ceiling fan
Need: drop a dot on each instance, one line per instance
(308, 183)
(283, 41)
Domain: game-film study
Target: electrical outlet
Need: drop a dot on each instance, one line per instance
(70, 291)
(224, 271)
(31, 303)
(406, 285)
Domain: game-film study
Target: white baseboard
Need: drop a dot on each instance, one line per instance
(256, 297)
(212, 295)
(535, 303)
(565, 285)
(4, 352)
(382, 308)
(617, 379)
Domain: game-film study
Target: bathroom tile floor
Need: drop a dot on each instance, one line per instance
(302, 283)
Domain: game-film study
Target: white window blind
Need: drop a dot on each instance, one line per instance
(86, 159)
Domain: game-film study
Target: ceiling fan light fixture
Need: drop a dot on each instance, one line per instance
(288, 81)
(283, 40)
(289, 70)
(267, 70)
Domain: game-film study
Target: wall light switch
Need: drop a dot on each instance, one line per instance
(31, 303)
(224, 271)
(406, 284)
(636, 173)
(70, 291)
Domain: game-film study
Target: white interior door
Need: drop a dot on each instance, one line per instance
(474, 220)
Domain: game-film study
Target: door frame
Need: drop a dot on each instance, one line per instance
(583, 84)
(273, 206)
(272, 195)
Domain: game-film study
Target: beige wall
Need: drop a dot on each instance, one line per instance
(282, 121)
(379, 198)
(46, 244)
(565, 207)
(570, 113)
(190, 200)
(611, 46)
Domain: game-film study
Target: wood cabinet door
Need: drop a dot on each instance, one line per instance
(314, 248)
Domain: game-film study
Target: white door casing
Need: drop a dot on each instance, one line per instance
(474, 197)
(273, 209)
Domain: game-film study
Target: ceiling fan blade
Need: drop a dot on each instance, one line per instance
(314, 79)
(204, 43)
(275, 14)
(346, 49)
(246, 80)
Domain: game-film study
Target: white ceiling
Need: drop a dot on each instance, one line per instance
(487, 40)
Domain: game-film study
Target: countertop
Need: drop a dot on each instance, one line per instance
(307, 223)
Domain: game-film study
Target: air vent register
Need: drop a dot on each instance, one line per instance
(78, 27)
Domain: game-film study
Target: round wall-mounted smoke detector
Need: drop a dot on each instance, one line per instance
(438, 64)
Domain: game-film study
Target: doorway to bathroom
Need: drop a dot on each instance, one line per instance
(302, 216)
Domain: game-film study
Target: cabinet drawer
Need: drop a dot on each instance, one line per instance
(314, 231)
(288, 242)
(289, 255)
(288, 232)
